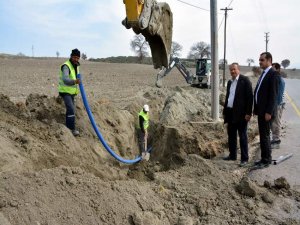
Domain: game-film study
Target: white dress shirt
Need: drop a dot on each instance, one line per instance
(232, 92)
(263, 76)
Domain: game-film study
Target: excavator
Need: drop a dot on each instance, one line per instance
(200, 79)
(155, 22)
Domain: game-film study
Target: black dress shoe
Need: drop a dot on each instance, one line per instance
(258, 162)
(262, 165)
(228, 158)
(243, 163)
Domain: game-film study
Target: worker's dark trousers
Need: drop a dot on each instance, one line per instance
(241, 129)
(70, 112)
(264, 136)
(141, 139)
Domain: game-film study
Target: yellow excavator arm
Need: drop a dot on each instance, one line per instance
(133, 10)
(155, 22)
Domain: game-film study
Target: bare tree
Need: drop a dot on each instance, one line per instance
(285, 63)
(83, 56)
(249, 61)
(57, 54)
(199, 50)
(176, 49)
(140, 47)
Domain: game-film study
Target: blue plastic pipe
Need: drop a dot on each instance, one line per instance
(91, 117)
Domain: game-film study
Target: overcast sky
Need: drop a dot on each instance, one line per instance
(94, 26)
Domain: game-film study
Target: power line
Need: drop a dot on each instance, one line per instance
(224, 16)
(193, 5)
(230, 3)
(221, 23)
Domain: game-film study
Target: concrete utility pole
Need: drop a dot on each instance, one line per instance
(214, 61)
(224, 59)
(32, 51)
(267, 40)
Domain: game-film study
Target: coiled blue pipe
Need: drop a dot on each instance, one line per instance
(91, 117)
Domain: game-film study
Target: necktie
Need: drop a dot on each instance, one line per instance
(258, 85)
(260, 77)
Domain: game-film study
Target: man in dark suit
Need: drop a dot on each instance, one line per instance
(265, 96)
(237, 112)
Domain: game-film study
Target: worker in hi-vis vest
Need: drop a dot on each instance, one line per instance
(143, 130)
(68, 87)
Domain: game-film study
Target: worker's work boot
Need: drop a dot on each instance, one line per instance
(75, 133)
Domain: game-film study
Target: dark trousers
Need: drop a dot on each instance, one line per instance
(241, 129)
(70, 110)
(141, 138)
(264, 136)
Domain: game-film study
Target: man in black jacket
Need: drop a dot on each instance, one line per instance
(265, 101)
(237, 112)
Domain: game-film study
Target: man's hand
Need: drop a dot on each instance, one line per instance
(268, 117)
(247, 117)
(77, 81)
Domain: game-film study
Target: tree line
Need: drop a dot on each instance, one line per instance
(140, 47)
(198, 50)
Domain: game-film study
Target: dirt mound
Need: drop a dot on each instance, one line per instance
(184, 126)
(196, 193)
(42, 141)
(185, 106)
(71, 196)
(35, 136)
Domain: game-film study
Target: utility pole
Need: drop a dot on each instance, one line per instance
(267, 40)
(214, 61)
(224, 59)
(32, 48)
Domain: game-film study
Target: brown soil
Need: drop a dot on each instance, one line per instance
(49, 177)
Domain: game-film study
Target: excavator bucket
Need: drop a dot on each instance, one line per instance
(155, 22)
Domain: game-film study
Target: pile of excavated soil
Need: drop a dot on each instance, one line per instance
(196, 193)
(49, 177)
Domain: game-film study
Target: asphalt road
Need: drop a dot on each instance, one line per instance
(290, 141)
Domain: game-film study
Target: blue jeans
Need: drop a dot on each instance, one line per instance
(70, 110)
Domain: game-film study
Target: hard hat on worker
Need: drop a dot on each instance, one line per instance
(146, 108)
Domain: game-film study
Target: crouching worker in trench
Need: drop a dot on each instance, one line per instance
(143, 131)
(68, 87)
